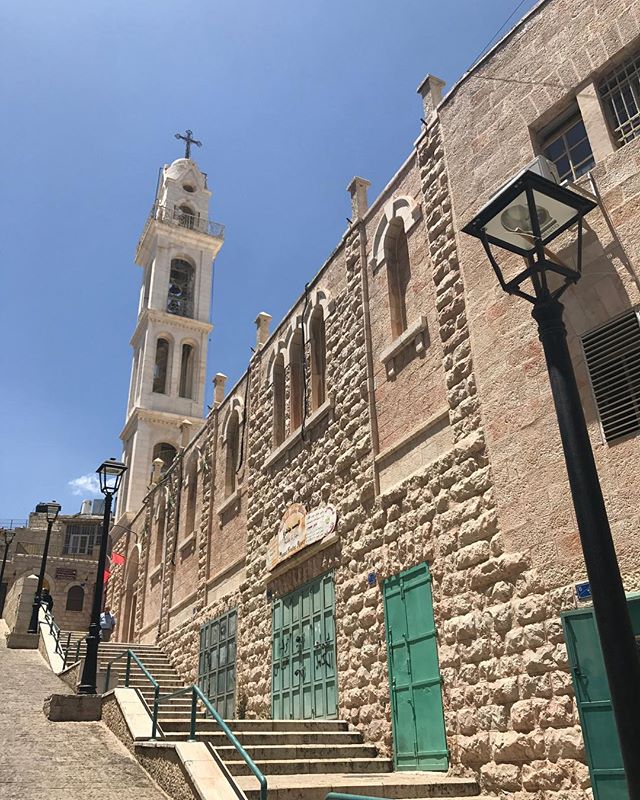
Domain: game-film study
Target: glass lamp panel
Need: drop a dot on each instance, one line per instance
(513, 224)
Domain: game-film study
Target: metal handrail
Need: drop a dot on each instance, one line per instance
(55, 631)
(131, 656)
(197, 694)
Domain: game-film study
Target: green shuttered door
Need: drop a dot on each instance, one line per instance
(414, 674)
(594, 701)
(304, 652)
(217, 663)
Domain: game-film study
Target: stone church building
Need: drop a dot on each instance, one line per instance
(375, 522)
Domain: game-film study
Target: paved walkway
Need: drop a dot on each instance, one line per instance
(57, 760)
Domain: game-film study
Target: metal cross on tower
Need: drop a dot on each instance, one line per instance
(188, 140)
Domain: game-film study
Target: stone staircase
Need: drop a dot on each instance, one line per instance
(301, 759)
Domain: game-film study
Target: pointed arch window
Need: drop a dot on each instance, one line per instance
(318, 358)
(186, 371)
(296, 382)
(232, 452)
(278, 400)
(180, 295)
(161, 366)
(396, 253)
(192, 493)
(160, 529)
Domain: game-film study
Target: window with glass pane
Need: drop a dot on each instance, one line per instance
(80, 539)
(569, 148)
(620, 92)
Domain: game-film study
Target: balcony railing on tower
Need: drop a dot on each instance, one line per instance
(180, 218)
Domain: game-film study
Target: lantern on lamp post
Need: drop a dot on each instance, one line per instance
(524, 218)
(110, 473)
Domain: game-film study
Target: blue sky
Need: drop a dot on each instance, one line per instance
(291, 100)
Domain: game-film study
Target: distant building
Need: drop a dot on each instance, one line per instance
(71, 563)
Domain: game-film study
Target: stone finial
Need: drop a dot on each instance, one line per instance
(358, 191)
(262, 324)
(219, 380)
(185, 430)
(431, 92)
(156, 474)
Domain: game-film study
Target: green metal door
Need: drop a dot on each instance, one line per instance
(594, 701)
(419, 740)
(217, 663)
(304, 652)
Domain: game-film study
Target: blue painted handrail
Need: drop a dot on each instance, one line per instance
(131, 656)
(341, 796)
(197, 694)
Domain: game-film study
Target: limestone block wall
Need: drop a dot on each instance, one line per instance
(491, 130)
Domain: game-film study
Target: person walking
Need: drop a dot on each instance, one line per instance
(107, 624)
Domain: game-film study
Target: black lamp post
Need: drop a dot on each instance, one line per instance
(110, 473)
(7, 535)
(524, 218)
(52, 510)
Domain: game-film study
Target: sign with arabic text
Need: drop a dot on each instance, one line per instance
(298, 529)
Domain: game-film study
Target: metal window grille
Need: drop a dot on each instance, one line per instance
(612, 354)
(80, 539)
(569, 148)
(620, 92)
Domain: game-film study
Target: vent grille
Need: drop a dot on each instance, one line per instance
(613, 359)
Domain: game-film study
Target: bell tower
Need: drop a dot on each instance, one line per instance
(176, 253)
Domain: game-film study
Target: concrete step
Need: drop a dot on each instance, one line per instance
(396, 785)
(239, 726)
(313, 766)
(280, 752)
(218, 739)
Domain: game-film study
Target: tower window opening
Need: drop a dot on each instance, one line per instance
(166, 452)
(161, 366)
(189, 188)
(396, 253)
(185, 216)
(278, 400)
(318, 358)
(186, 371)
(180, 295)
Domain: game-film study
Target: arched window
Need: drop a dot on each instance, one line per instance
(396, 254)
(185, 216)
(192, 491)
(186, 371)
(318, 358)
(296, 388)
(160, 528)
(180, 295)
(165, 451)
(278, 400)
(232, 451)
(75, 599)
(161, 366)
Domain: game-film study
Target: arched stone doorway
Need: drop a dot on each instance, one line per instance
(128, 622)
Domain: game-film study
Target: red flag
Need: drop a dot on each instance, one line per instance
(106, 575)
(117, 559)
